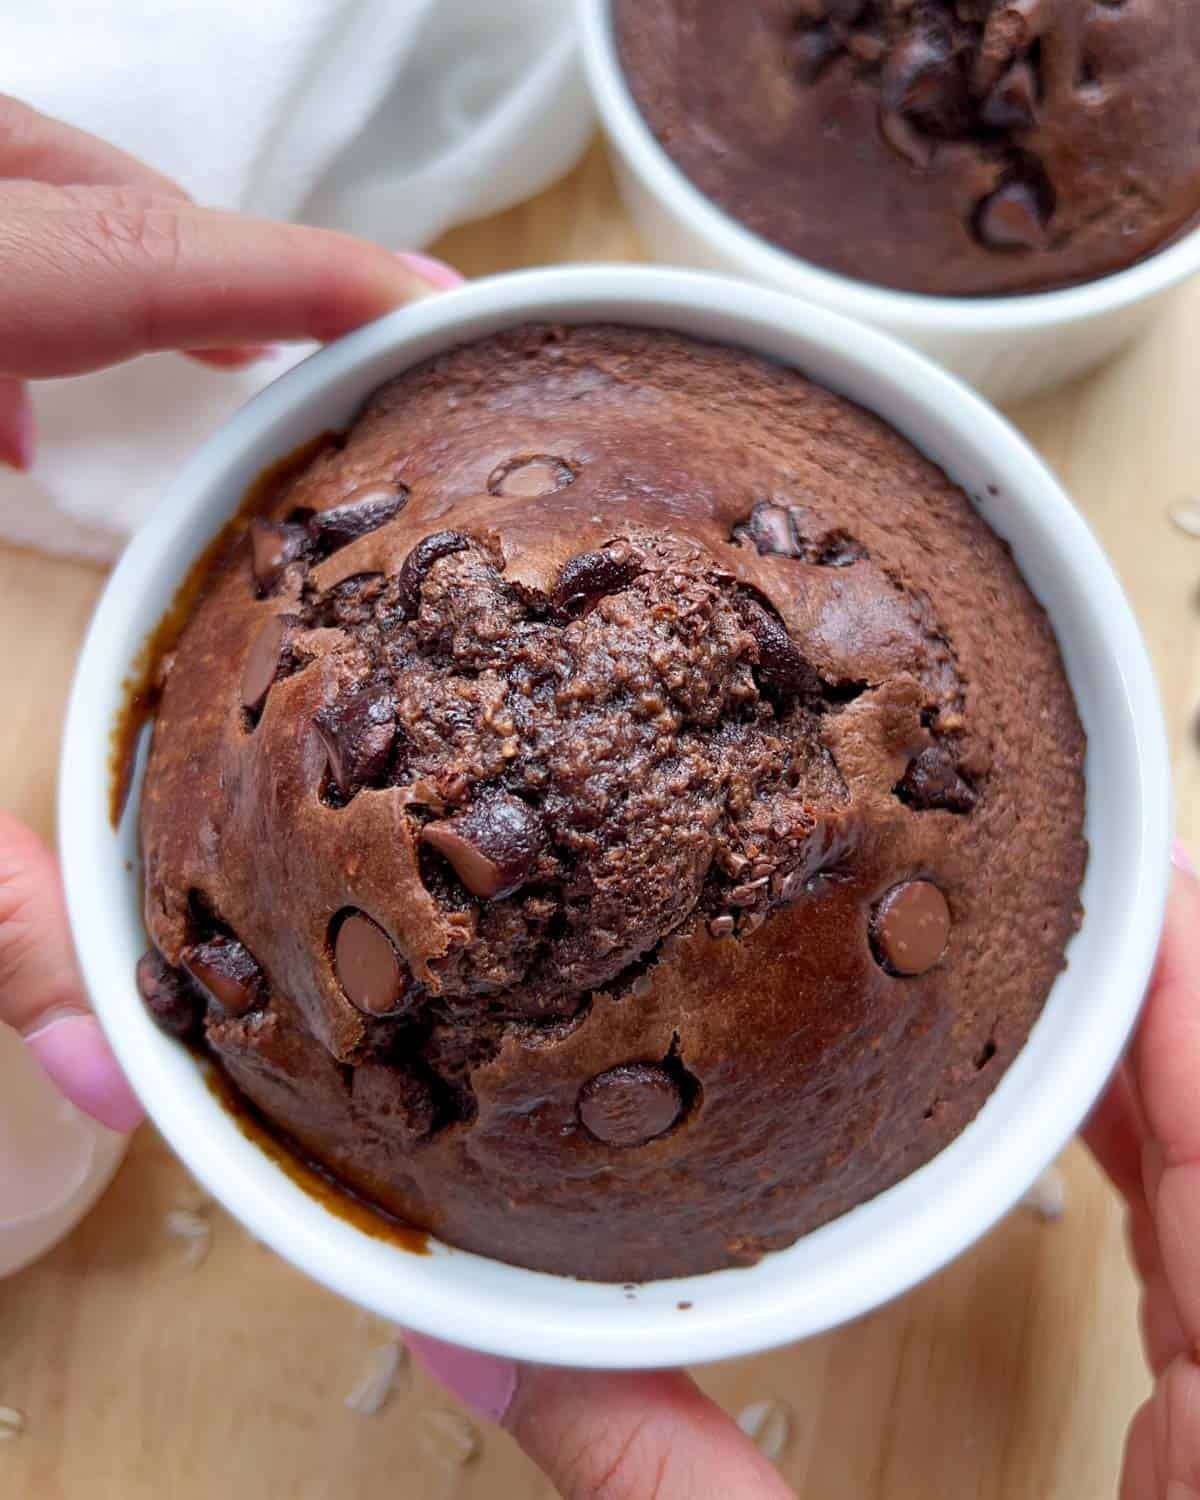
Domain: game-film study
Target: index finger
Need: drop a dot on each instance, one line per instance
(93, 276)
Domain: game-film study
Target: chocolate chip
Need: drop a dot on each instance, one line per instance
(910, 927)
(932, 781)
(266, 656)
(358, 733)
(866, 46)
(838, 549)
(1012, 104)
(368, 967)
(591, 575)
(170, 998)
(538, 475)
(227, 973)
(395, 1100)
(492, 847)
(812, 48)
(630, 1105)
(1011, 218)
(748, 894)
(923, 80)
(780, 664)
(418, 563)
(817, 543)
(272, 547)
(366, 509)
(770, 529)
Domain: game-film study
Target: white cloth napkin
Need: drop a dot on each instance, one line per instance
(394, 119)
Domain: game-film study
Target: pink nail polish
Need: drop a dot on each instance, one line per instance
(481, 1382)
(73, 1053)
(1180, 857)
(252, 353)
(234, 358)
(436, 272)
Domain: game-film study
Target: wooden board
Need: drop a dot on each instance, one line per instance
(1012, 1375)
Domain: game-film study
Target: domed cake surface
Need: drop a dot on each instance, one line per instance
(618, 808)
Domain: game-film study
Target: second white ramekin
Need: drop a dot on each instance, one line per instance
(1006, 347)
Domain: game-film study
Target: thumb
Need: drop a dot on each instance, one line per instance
(41, 995)
(599, 1435)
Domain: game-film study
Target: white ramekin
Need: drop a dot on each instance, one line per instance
(1007, 347)
(881, 1248)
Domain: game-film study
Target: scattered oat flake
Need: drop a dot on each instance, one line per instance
(1047, 1198)
(370, 1394)
(193, 1230)
(1186, 515)
(195, 1198)
(186, 1224)
(768, 1425)
(379, 1329)
(12, 1423)
(450, 1439)
(195, 1252)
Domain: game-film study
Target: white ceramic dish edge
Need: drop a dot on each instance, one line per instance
(882, 1248)
(1009, 348)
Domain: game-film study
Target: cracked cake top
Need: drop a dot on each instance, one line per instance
(617, 808)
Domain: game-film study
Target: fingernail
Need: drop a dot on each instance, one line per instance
(436, 272)
(480, 1381)
(74, 1054)
(252, 353)
(235, 358)
(1181, 859)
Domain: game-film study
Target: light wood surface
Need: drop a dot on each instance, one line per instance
(1010, 1376)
